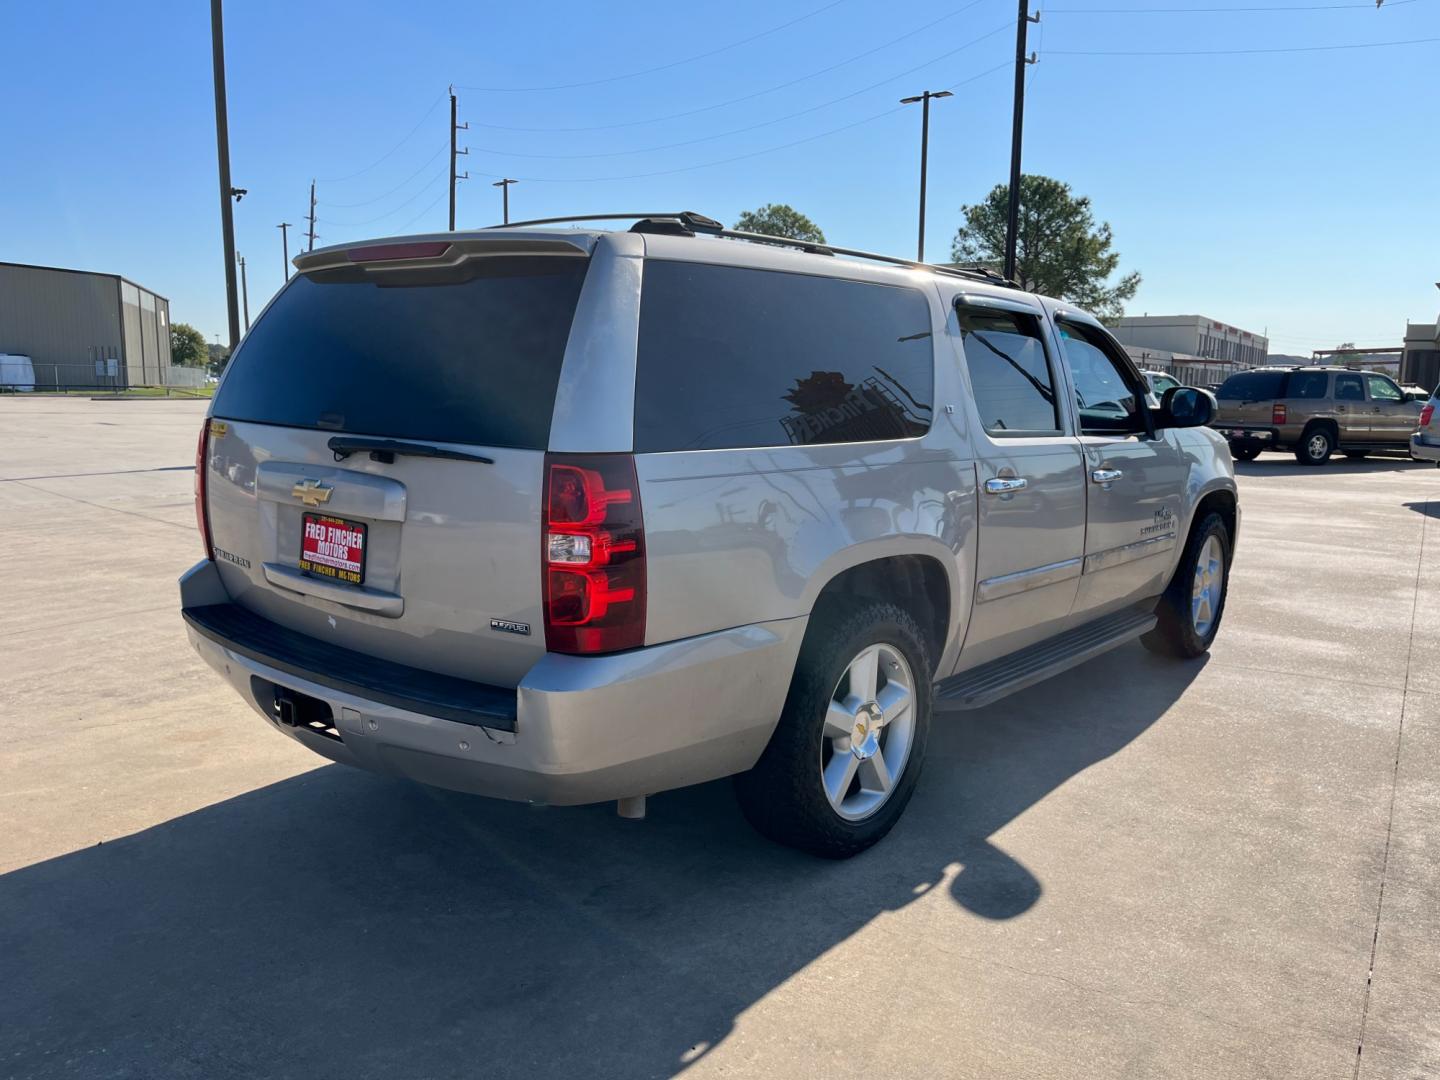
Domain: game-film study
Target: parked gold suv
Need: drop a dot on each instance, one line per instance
(1314, 411)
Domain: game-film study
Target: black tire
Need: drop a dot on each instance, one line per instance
(1315, 445)
(1357, 455)
(783, 796)
(1175, 634)
(1245, 451)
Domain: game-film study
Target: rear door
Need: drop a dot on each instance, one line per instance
(1031, 479)
(1352, 410)
(1392, 418)
(376, 455)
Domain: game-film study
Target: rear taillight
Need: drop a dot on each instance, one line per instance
(202, 512)
(1277, 413)
(1425, 414)
(593, 554)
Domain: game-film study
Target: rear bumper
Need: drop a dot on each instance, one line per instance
(1425, 451)
(581, 729)
(1239, 433)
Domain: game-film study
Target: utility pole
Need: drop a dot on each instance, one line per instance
(311, 243)
(1012, 225)
(284, 228)
(222, 149)
(454, 128)
(504, 186)
(245, 291)
(924, 98)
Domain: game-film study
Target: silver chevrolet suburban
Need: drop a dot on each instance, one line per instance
(570, 515)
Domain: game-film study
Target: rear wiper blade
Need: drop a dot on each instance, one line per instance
(386, 450)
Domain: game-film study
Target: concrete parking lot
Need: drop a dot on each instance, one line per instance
(1140, 869)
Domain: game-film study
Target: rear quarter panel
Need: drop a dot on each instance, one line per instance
(742, 536)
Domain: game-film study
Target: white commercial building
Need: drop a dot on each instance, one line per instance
(1193, 335)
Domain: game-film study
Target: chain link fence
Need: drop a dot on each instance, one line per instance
(22, 375)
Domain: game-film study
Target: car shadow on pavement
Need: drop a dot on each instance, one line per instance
(342, 924)
(1285, 465)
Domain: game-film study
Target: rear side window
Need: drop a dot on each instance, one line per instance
(1349, 388)
(732, 357)
(469, 354)
(1252, 386)
(1308, 384)
(1009, 374)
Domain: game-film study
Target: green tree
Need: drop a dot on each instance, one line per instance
(187, 346)
(1059, 251)
(778, 219)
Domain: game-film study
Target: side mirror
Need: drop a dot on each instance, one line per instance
(1409, 396)
(1186, 406)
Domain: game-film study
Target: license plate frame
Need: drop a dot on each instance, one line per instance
(334, 548)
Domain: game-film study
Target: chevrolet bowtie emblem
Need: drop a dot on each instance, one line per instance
(312, 492)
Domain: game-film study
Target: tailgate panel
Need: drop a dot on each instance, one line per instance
(451, 545)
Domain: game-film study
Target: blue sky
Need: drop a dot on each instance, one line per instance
(1291, 191)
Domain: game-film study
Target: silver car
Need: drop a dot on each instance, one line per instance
(1425, 441)
(581, 515)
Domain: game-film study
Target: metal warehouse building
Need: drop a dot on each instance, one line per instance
(83, 329)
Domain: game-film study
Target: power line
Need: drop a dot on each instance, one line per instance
(421, 190)
(1367, 6)
(366, 202)
(738, 157)
(410, 134)
(661, 67)
(744, 97)
(764, 123)
(1246, 52)
(422, 213)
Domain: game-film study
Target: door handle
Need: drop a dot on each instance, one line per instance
(1005, 485)
(1106, 476)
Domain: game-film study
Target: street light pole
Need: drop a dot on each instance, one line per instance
(284, 228)
(504, 186)
(245, 291)
(222, 149)
(924, 99)
(1012, 223)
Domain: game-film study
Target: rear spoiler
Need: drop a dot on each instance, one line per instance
(439, 250)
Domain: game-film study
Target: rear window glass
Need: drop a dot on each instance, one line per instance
(1009, 373)
(469, 354)
(1251, 386)
(731, 357)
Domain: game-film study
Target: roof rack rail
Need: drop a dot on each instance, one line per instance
(689, 218)
(690, 223)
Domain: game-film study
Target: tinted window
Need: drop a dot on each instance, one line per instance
(1014, 391)
(1308, 384)
(730, 356)
(468, 354)
(1106, 401)
(1348, 388)
(1252, 386)
(1382, 389)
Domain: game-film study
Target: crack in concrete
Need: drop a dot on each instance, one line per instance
(113, 472)
(1394, 790)
(102, 506)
